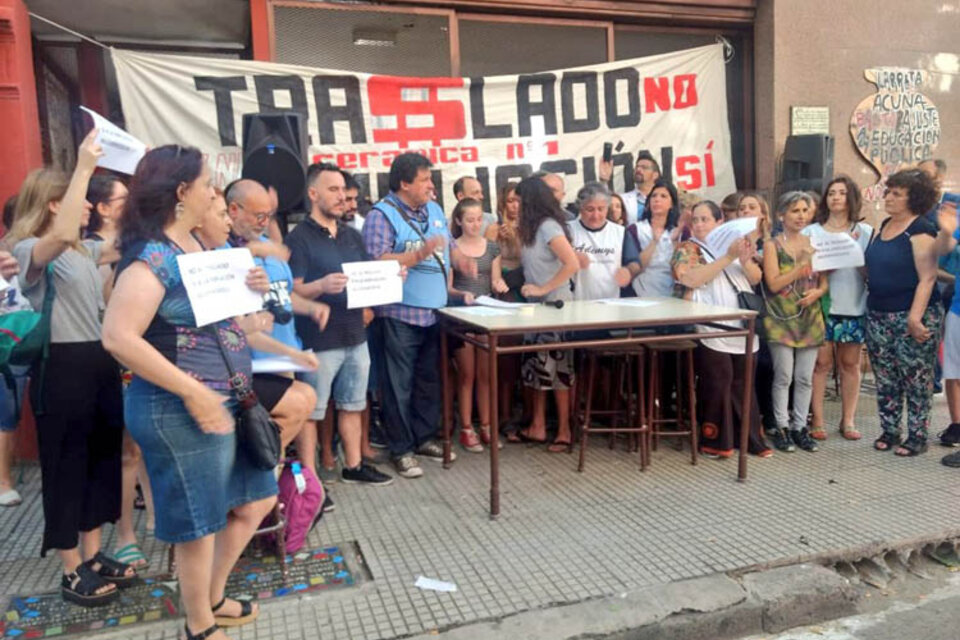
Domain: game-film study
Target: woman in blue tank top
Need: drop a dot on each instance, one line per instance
(903, 311)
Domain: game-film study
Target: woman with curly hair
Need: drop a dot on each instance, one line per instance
(903, 311)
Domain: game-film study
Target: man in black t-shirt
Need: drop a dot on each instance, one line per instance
(318, 248)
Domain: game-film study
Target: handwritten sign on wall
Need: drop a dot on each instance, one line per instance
(896, 127)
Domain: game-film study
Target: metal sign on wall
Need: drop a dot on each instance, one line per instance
(897, 127)
(497, 128)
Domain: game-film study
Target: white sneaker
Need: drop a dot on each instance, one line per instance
(10, 498)
(408, 467)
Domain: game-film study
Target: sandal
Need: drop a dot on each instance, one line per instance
(111, 570)
(559, 446)
(818, 433)
(886, 441)
(910, 447)
(82, 586)
(520, 435)
(203, 635)
(132, 555)
(850, 433)
(485, 436)
(247, 614)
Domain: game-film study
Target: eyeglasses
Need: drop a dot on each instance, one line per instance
(262, 218)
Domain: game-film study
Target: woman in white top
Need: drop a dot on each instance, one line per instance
(649, 243)
(705, 277)
(601, 241)
(845, 309)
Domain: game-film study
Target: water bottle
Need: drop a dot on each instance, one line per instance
(298, 478)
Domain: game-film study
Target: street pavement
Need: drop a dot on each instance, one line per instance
(565, 537)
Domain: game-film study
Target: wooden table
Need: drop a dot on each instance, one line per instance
(634, 322)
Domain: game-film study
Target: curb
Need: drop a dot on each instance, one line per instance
(715, 607)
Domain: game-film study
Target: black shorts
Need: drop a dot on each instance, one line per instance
(270, 388)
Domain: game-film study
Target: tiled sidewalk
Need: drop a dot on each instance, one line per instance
(565, 537)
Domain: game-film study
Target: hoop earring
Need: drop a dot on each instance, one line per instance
(178, 210)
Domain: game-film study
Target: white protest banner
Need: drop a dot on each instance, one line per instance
(835, 251)
(121, 151)
(216, 284)
(496, 128)
(718, 240)
(373, 283)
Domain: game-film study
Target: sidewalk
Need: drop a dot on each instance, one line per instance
(565, 537)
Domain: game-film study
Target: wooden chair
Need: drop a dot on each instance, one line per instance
(685, 427)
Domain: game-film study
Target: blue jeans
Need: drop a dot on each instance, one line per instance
(11, 400)
(411, 393)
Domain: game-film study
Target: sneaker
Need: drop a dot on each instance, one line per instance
(781, 440)
(952, 460)
(803, 440)
(469, 441)
(365, 474)
(408, 467)
(433, 450)
(10, 498)
(328, 504)
(485, 436)
(950, 437)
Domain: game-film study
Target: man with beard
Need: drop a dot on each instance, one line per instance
(645, 173)
(318, 248)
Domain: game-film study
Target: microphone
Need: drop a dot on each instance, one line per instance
(556, 304)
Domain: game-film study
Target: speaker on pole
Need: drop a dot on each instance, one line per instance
(807, 163)
(275, 154)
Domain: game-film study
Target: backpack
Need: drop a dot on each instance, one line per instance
(301, 496)
(25, 337)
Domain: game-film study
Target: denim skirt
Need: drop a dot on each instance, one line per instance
(196, 477)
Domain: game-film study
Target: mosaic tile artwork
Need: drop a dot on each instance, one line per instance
(158, 598)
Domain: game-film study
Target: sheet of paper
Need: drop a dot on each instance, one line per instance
(121, 151)
(628, 302)
(373, 283)
(718, 240)
(4, 285)
(434, 585)
(836, 251)
(216, 284)
(487, 301)
(277, 364)
(486, 311)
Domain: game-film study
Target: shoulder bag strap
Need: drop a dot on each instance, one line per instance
(245, 395)
(416, 229)
(723, 271)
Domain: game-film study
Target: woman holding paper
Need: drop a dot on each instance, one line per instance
(75, 392)
(903, 311)
(549, 262)
(793, 325)
(210, 498)
(845, 307)
(705, 277)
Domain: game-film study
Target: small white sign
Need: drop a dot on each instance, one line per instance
(216, 284)
(277, 364)
(835, 251)
(373, 283)
(121, 151)
(807, 120)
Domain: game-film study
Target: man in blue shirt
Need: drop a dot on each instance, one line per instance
(288, 401)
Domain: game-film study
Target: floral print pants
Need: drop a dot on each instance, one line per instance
(903, 368)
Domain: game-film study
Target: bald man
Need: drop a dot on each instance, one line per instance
(288, 401)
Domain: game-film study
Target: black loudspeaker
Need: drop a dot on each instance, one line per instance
(807, 163)
(275, 154)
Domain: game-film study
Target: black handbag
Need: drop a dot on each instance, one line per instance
(746, 300)
(257, 433)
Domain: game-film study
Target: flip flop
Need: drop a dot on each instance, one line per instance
(521, 436)
(554, 447)
(132, 555)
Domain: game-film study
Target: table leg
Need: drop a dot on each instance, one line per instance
(494, 431)
(747, 399)
(445, 377)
